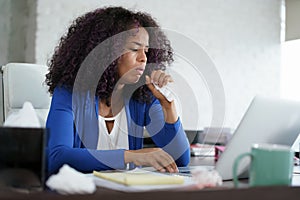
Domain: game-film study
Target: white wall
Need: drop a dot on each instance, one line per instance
(241, 37)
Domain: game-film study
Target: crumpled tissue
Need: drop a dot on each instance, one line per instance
(206, 178)
(69, 181)
(26, 117)
(166, 91)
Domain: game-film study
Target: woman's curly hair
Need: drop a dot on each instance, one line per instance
(95, 27)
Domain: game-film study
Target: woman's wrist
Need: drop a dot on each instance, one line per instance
(127, 156)
(170, 113)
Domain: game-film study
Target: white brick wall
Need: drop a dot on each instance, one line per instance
(241, 37)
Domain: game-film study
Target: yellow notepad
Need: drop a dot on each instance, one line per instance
(140, 178)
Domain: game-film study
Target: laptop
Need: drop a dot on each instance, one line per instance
(266, 120)
(22, 158)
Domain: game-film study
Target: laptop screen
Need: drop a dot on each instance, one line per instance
(22, 157)
(267, 120)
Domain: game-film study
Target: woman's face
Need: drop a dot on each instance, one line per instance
(131, 65)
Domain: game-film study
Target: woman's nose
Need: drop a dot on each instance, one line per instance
(142, 57)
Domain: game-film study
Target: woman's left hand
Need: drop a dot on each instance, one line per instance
(160, 78)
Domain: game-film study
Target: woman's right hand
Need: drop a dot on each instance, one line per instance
(155, 157)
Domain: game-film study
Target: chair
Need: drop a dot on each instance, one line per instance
(25, 82)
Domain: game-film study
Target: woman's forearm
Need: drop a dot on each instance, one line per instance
(170, 113)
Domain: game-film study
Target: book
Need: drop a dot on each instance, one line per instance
(202, 150)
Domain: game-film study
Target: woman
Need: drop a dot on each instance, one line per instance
(102, 78)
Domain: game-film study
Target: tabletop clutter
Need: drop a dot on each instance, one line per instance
(69, 181)
(25, 117)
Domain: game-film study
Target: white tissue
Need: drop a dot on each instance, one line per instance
(166, 91)
(70, 181)
(26, 117)
(206, 178)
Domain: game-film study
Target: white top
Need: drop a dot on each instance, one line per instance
(118, 137)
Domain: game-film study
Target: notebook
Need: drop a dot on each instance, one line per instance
(22, 157)
(267, 120)
(140, 177)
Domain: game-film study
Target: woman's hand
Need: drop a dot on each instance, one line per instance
(160, 78)
(155, 157)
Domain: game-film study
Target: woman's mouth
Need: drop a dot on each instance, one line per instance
(140, 70)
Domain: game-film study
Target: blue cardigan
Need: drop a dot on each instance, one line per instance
(73, 125)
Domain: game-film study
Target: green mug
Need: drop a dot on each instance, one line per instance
(271, 164)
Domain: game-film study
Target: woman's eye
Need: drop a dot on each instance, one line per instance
(134, 50)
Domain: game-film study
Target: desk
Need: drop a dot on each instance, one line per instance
(272, 193)
(265, 193)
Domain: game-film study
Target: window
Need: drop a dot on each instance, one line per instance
(290, 70)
